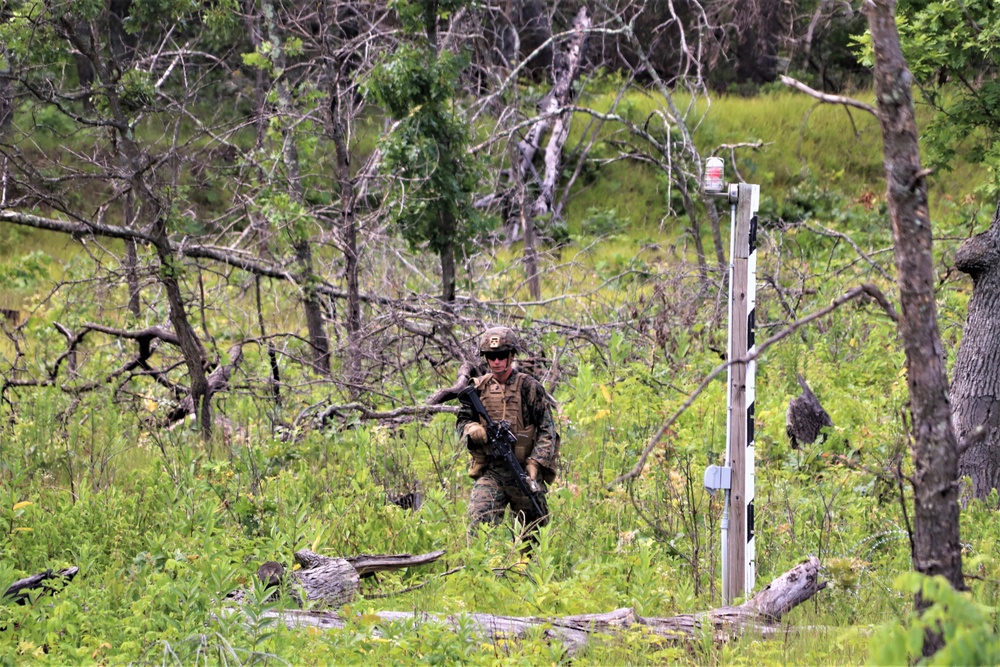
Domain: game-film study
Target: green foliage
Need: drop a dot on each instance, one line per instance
(146, 13)
(968, 628)
(951, 48)
(135, 90)
(602, 222)
(426, 152)
(415, 15)
(25, 273)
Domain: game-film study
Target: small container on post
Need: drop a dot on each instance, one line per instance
(714, 181)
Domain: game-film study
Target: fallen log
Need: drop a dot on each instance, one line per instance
(333, 582)
(19, 590)
(329, 581)
(759, 615)
(367, 565)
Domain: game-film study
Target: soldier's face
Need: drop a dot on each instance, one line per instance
(498, 365)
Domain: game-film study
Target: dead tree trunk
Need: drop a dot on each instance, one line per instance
(759, 615)
(936, 546)
(565, 71)
(338, 120)
(566, 68)
(217, 380)
(975, 390)
(331, 581)
(135, 171)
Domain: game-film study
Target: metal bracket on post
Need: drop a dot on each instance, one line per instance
(718, 477)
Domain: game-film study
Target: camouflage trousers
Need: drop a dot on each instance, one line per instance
(494, 492)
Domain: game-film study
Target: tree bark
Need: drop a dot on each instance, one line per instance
(333, 582)
(936, 547)
(217, 380)
(330, 581)
(367, 564)
(190, 344)
(975, 390)
(132, 277)
(447, 254)
(530, 252)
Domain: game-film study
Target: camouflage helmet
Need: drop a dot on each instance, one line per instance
(498, 339)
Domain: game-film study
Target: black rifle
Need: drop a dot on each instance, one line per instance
(501, 443)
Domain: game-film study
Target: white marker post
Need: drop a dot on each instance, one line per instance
(739, 566)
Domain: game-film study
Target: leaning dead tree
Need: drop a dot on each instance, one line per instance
(761, 616)
(565, 70)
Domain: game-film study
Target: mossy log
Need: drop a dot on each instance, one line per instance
(759, 615)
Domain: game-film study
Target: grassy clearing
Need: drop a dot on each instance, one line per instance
(162, 525)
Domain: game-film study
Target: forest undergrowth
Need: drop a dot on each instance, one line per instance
(163, 525)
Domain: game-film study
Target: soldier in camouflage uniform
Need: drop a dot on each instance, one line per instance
(521, 400)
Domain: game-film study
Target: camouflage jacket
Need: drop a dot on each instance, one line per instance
(535, 411)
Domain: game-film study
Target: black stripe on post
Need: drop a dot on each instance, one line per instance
(750, 532)
(750, 424)
(751, 325)
(753, 234)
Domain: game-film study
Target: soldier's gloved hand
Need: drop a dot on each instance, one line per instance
(475, 435)
(531, 470)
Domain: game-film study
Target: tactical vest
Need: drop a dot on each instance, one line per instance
(503, 401)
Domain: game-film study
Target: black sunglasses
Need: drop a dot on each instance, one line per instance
(493, 356)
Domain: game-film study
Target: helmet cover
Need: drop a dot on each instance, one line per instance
(498, 339)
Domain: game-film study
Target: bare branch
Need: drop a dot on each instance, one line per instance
(827, 98)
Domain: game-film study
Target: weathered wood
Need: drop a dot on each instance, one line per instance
(738, 570)
(330, 581)
(18, 591)
(218, 380)
(465, 374)
(737, 535)
(760, 615)
(366, 564)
